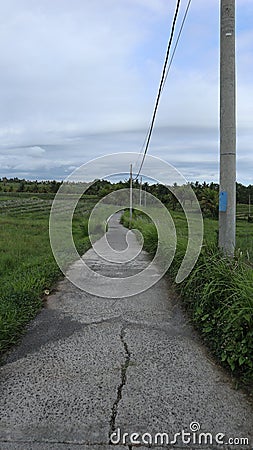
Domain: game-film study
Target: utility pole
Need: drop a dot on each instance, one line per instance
(140, 191)
(131, 194)
(227, 204)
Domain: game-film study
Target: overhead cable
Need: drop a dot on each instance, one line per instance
(165, 71)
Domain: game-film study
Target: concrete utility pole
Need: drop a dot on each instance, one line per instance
(227, 205)
(140, 191)
(131, 193)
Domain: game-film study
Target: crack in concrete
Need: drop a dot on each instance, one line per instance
(124, 368)
(100, 322)
(165, 327)
(53, 442)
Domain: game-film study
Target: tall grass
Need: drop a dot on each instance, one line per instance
(218, 294)
(28, 269)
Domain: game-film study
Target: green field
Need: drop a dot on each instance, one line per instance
(27, 266)
(244, 233)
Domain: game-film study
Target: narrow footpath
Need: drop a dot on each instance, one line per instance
(89, 368)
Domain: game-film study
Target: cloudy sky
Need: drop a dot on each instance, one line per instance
(79, 78)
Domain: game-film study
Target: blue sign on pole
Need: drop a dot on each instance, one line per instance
(223, 201)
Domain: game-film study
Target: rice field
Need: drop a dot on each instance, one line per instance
(27, 267)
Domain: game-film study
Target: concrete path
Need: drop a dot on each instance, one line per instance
(89, 367)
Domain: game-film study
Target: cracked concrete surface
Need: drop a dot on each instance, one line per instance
(89, 366)
(124, 368)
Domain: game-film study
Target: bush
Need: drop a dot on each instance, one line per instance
(219, 295)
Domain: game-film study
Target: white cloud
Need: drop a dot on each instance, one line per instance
(35, 151)
(79, 79)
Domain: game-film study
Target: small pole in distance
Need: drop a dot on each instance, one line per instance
(131, 193)
(140, 191)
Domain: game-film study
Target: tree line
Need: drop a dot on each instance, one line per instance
(206, 193)
(22, 185)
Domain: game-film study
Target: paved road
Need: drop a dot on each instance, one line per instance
(90, 366)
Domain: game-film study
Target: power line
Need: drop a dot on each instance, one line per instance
(160, 87)
(176, 44)
(164, 77)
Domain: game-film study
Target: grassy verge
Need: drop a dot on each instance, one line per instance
(27, 267)
(218, 293)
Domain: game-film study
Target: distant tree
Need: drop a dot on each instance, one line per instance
(210, 202)
(242, 193)
(54, 186)
(21, 186)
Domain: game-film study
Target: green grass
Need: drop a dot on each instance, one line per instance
(218, 293)
(27, 266)
(243, 209)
